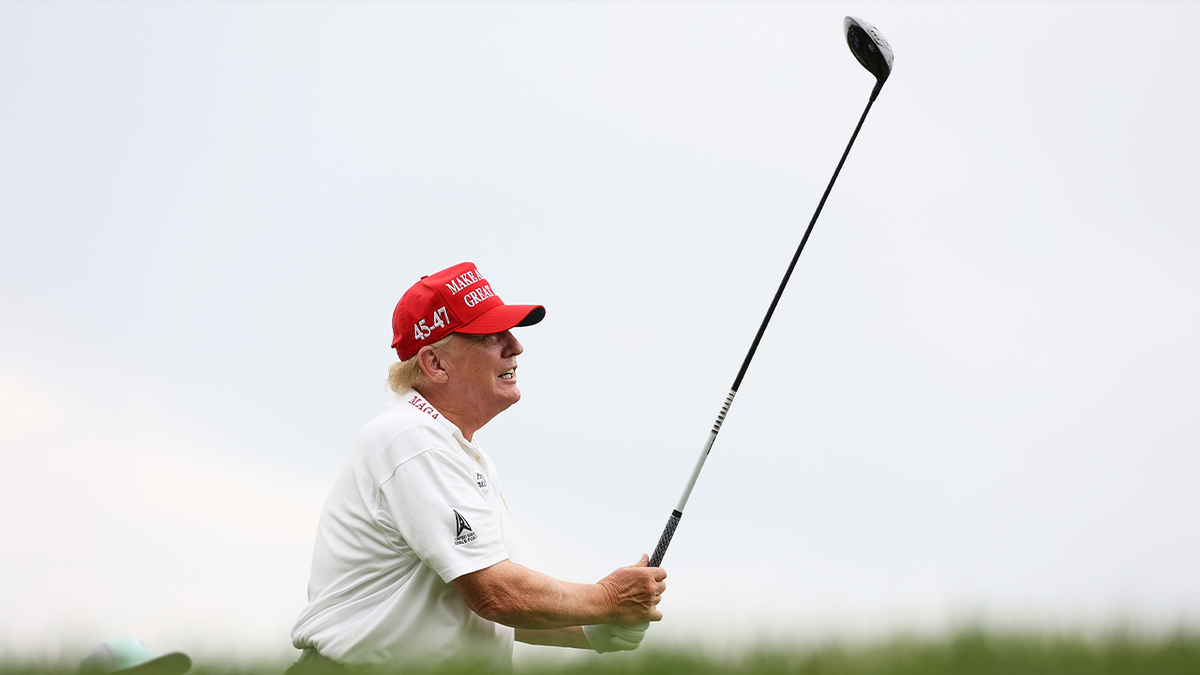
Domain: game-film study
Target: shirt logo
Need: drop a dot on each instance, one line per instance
(480, 480)
(420, 404)
(465, 534)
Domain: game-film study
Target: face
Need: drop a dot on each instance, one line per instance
(483, 372)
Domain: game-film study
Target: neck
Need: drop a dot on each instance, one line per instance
(466, 417)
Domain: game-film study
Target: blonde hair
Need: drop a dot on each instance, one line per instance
(405, 375)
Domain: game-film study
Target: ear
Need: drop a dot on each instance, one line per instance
(433, 365)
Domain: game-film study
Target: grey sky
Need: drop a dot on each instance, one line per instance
(977, 397)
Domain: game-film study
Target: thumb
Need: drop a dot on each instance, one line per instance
(643, 562)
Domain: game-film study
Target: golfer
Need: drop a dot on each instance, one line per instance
(414, 559)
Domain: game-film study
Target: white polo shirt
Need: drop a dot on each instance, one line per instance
(415, 506)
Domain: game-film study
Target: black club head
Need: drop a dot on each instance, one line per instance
(869, 47)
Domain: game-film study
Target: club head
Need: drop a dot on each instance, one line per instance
(869, 47)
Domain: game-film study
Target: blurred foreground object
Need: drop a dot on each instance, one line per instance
(129, 655)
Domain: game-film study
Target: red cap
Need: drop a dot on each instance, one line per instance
(456, 300)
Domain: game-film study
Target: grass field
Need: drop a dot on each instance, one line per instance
(970, 652)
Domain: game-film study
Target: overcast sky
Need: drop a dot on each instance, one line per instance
(977, 399)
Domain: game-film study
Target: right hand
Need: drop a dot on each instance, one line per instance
(634, 592)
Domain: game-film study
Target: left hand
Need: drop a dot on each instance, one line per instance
(611, 637)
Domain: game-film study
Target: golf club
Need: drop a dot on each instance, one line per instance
(875, 54)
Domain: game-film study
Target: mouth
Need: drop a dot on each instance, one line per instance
(510, 374)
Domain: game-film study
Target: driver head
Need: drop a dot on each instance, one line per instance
(870, 47)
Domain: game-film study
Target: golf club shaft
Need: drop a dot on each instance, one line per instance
(673, 522)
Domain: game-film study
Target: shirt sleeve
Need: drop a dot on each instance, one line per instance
(441, 513)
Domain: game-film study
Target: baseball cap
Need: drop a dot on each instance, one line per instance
(129, 655)
(456, 300)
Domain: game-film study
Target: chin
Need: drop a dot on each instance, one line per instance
(511, 396)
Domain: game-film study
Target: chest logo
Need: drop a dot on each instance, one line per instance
(481, 481)
(465, 534)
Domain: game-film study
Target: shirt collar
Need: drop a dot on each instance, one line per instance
(411, 398)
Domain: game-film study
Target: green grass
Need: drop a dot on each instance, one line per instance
(970, 652)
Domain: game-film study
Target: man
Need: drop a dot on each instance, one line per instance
(413, 562)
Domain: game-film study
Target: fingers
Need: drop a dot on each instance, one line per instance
(633, 633)
(658, 574)
(624, 645)
(634, 592)
(612, 637)
(626, 638)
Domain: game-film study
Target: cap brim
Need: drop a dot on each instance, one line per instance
(502, 318)
(175, 663)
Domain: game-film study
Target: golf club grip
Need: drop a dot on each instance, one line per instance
(665, 540)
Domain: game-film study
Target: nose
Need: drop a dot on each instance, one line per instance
(511, 346)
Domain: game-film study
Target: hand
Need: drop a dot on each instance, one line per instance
(611, 637)
(634, 593)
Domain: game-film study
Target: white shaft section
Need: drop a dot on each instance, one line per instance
(712, 436)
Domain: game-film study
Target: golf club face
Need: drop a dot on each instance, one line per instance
(869, 47)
